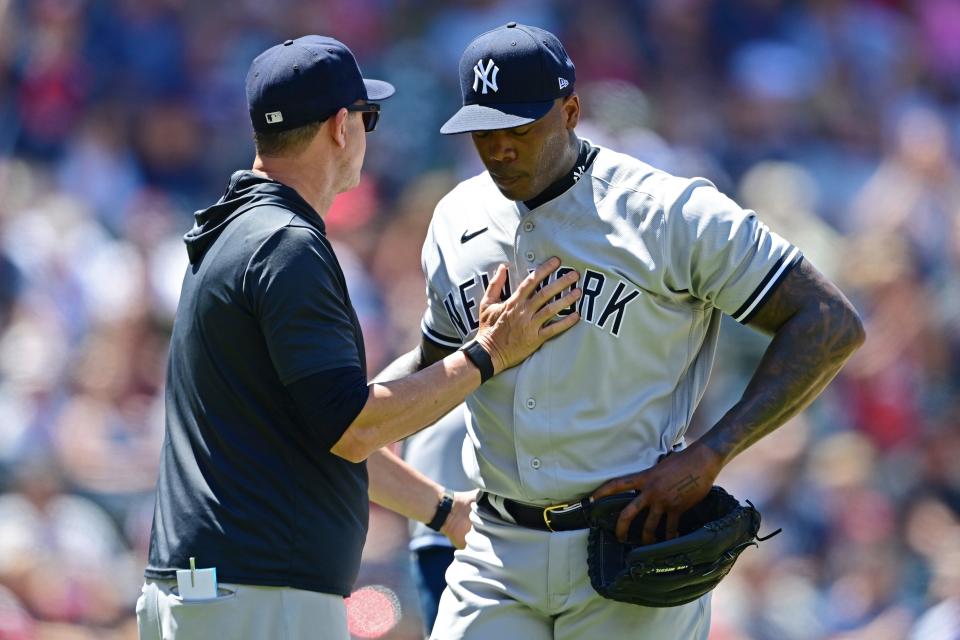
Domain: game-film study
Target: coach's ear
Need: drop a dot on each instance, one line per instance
(571, 110)
(337, 127)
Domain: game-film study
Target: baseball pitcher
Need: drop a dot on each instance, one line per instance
(603, 409)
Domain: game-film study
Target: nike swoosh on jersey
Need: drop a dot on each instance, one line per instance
(470, 236)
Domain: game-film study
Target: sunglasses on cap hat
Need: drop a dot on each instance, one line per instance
(370, 114)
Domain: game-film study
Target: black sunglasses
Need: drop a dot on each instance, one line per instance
(371, 114)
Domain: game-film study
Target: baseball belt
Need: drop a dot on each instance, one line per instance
(558, 517)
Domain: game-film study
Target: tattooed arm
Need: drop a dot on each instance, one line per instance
(815, 329)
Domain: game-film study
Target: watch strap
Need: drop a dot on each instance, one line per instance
(443, 510)
(480, 358)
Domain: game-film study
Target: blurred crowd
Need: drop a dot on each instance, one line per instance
(837, 120)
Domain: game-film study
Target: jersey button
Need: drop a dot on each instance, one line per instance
(535, 463)
(528, 226)
(530, 256)
(531, 403)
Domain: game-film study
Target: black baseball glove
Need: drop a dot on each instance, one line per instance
(669, 573)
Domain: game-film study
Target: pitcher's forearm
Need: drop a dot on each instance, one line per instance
(424, 355)
(805, 355)
(405, 365)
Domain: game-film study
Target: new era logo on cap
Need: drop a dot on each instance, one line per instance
(274, 116)
(563, 83)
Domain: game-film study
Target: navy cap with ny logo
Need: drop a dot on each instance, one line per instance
(509, 77)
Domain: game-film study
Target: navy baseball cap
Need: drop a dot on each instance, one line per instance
(509, 77)
(306, 80)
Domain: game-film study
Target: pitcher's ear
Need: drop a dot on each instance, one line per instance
(571, 110)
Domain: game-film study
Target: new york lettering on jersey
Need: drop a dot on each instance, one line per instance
(604, 302)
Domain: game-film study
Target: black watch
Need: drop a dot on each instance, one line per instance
(480, 358)
(443, 510)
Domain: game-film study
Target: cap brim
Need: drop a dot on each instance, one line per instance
(378, 89)
(489, 117)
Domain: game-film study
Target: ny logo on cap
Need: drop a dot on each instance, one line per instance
(481, 74)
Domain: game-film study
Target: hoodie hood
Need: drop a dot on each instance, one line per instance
(245, 191)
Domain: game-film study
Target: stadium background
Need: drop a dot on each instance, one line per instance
(837, 120)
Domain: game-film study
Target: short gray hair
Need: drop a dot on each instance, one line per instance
(285, 143)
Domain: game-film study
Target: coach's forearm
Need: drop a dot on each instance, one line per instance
(805, 354)
(399, 408)
(396, 485)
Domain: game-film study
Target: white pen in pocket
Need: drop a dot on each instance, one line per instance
(197, 584)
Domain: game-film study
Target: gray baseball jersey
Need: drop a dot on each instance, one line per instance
(660, 259)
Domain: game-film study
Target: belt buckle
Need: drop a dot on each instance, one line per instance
(548, 510)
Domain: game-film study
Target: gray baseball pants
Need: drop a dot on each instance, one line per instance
(240, 612)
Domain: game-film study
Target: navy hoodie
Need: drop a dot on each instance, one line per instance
(247, 485)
